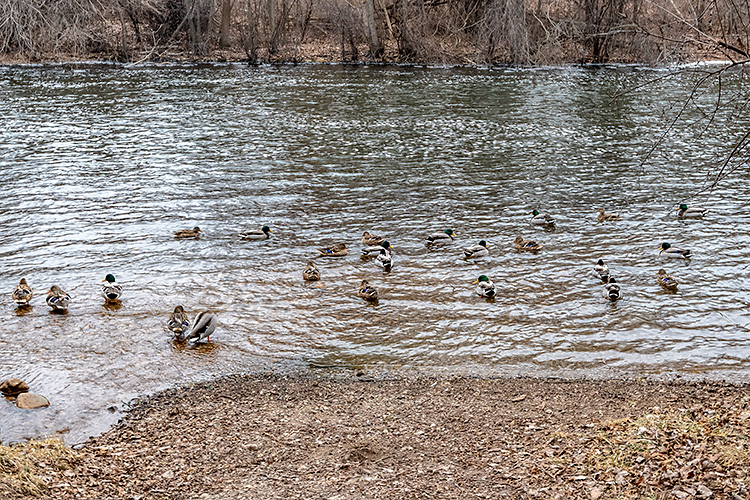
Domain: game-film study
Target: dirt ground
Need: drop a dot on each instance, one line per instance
(320, 436)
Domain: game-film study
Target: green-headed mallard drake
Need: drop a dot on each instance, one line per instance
(690, 213)
(22, 294)
(335, 250)
(383, 254)
(604, 216)
(371, 240)
(612, 290)
(311, 273)
(666, 281)
(188, 233)
(601, 270)
(257, 234)
(526, 245)
(57, 299)
(538, 219)
(445, 237)
(478, 250)
(178, 322)
(485, 287)
(667, 250)
(367, 292)
(111, 290)
(203, 326)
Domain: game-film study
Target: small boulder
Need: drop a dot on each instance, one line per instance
(13, 386)
(29, 401)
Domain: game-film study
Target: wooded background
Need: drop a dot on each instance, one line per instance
(519, 32)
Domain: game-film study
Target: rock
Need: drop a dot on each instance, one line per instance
(13, 386)
(29, 401)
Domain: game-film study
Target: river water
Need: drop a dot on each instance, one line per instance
(100, 164)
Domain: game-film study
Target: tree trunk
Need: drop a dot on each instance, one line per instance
(376, 50)
(225, 39)
(250, 48)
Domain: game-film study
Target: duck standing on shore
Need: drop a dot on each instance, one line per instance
(478, 250)
(311, 273)
(204, 325)
(257, 234)
(188, 233)
(666, 281)
(601, 270)
(178, 322)
(690, 213)
(667, 250)
(111, 290)
(22, 294)
(57, 299)
(485, 287)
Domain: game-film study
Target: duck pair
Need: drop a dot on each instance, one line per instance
(204, 325)
(252, 235)
(58, 299)
(611, 288)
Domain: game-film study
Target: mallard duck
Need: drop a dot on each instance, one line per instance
(612, 290)
(110, 289)
(690, 213)
(257, 234)
(538, 219)
(311, 273)
(604, 216)
(178, 321)
(666, 281)
(478, 250)
(445, 237)
(375, 250)
(57, 299)
(601, 270)
(367, 292)
(667, 250)
(22, 294)
(188, 233)
(335, 250)
(485, 287)
(204, 325)
(526, 245)
(371, 240)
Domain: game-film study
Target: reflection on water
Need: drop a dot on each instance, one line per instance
(102, 164)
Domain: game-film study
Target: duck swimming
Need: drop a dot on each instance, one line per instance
(485, 287)
(690, 213)
(110, 289)
(612, 290)
(371, 240)
(526, 245)
(667, 250)
(604, 216)
(601, 270)
(178, 322)
(335, 250)
(57, 299)
(188, 233)
(666, 281)
(478, 250)
(257, 234)
(311, 273)
(445, 237)
(204, 325)
(538, 219)
(367, 292)
(22, 294)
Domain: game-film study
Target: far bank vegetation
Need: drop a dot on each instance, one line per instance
(478, 32)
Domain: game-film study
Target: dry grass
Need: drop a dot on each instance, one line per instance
(28, 468)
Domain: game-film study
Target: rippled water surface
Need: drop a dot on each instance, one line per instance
(101, 164)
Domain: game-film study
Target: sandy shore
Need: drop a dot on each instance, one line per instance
(320, 436)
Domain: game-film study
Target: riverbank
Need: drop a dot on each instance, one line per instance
(314, 436)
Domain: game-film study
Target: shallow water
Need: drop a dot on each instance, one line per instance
(101, 164)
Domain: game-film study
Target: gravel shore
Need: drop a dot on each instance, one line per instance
(319, 436)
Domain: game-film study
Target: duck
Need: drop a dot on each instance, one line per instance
(538, 219)
(666, 281)
(188, 233)
(110, 289)
(667, 250)
(178, 322)
(601, 270)
(485, 287)
(57, 299)
(445, 237)
(257, 234)
(367, 292)
(203, 326)
(379, 249)
(335, 250)
(527, 245)
(612, 290)
(690, 213)
(604, 216)
(311, 273)
(478, 250)
(22, 294)
(371, 240)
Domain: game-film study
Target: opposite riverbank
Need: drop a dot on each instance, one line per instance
(311, 436)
